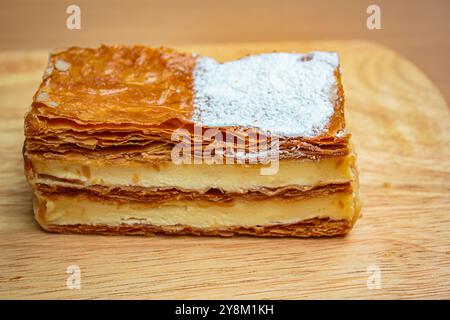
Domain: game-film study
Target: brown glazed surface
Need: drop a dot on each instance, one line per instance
(117, 84)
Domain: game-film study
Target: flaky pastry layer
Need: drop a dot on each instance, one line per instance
(307, 228)
(156, 196)
(117, 102)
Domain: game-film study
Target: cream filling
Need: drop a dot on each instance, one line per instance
(199, 177)
(63, 210)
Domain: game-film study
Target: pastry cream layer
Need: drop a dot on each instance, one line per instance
(199, 177)
(63, 210)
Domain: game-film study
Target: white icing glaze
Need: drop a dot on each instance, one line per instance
(285, 94)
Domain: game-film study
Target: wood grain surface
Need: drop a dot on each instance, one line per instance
(400, 125)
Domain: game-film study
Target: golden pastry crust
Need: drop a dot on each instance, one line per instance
(307, 228)
(115, 85)
(121, 102)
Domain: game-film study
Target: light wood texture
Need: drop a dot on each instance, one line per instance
(400, 125)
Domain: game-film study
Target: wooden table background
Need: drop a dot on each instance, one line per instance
(405, 166)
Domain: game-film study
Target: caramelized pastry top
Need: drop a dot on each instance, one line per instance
(117, 84)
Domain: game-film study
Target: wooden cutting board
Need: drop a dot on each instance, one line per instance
(401, 129)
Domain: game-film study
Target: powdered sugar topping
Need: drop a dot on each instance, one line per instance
(286, 94)
(62, 65)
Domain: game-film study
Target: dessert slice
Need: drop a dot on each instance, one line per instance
(137, 140)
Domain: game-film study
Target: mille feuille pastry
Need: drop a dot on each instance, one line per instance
(104, 124)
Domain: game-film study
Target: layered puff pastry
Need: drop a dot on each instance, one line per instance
(107, 127)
